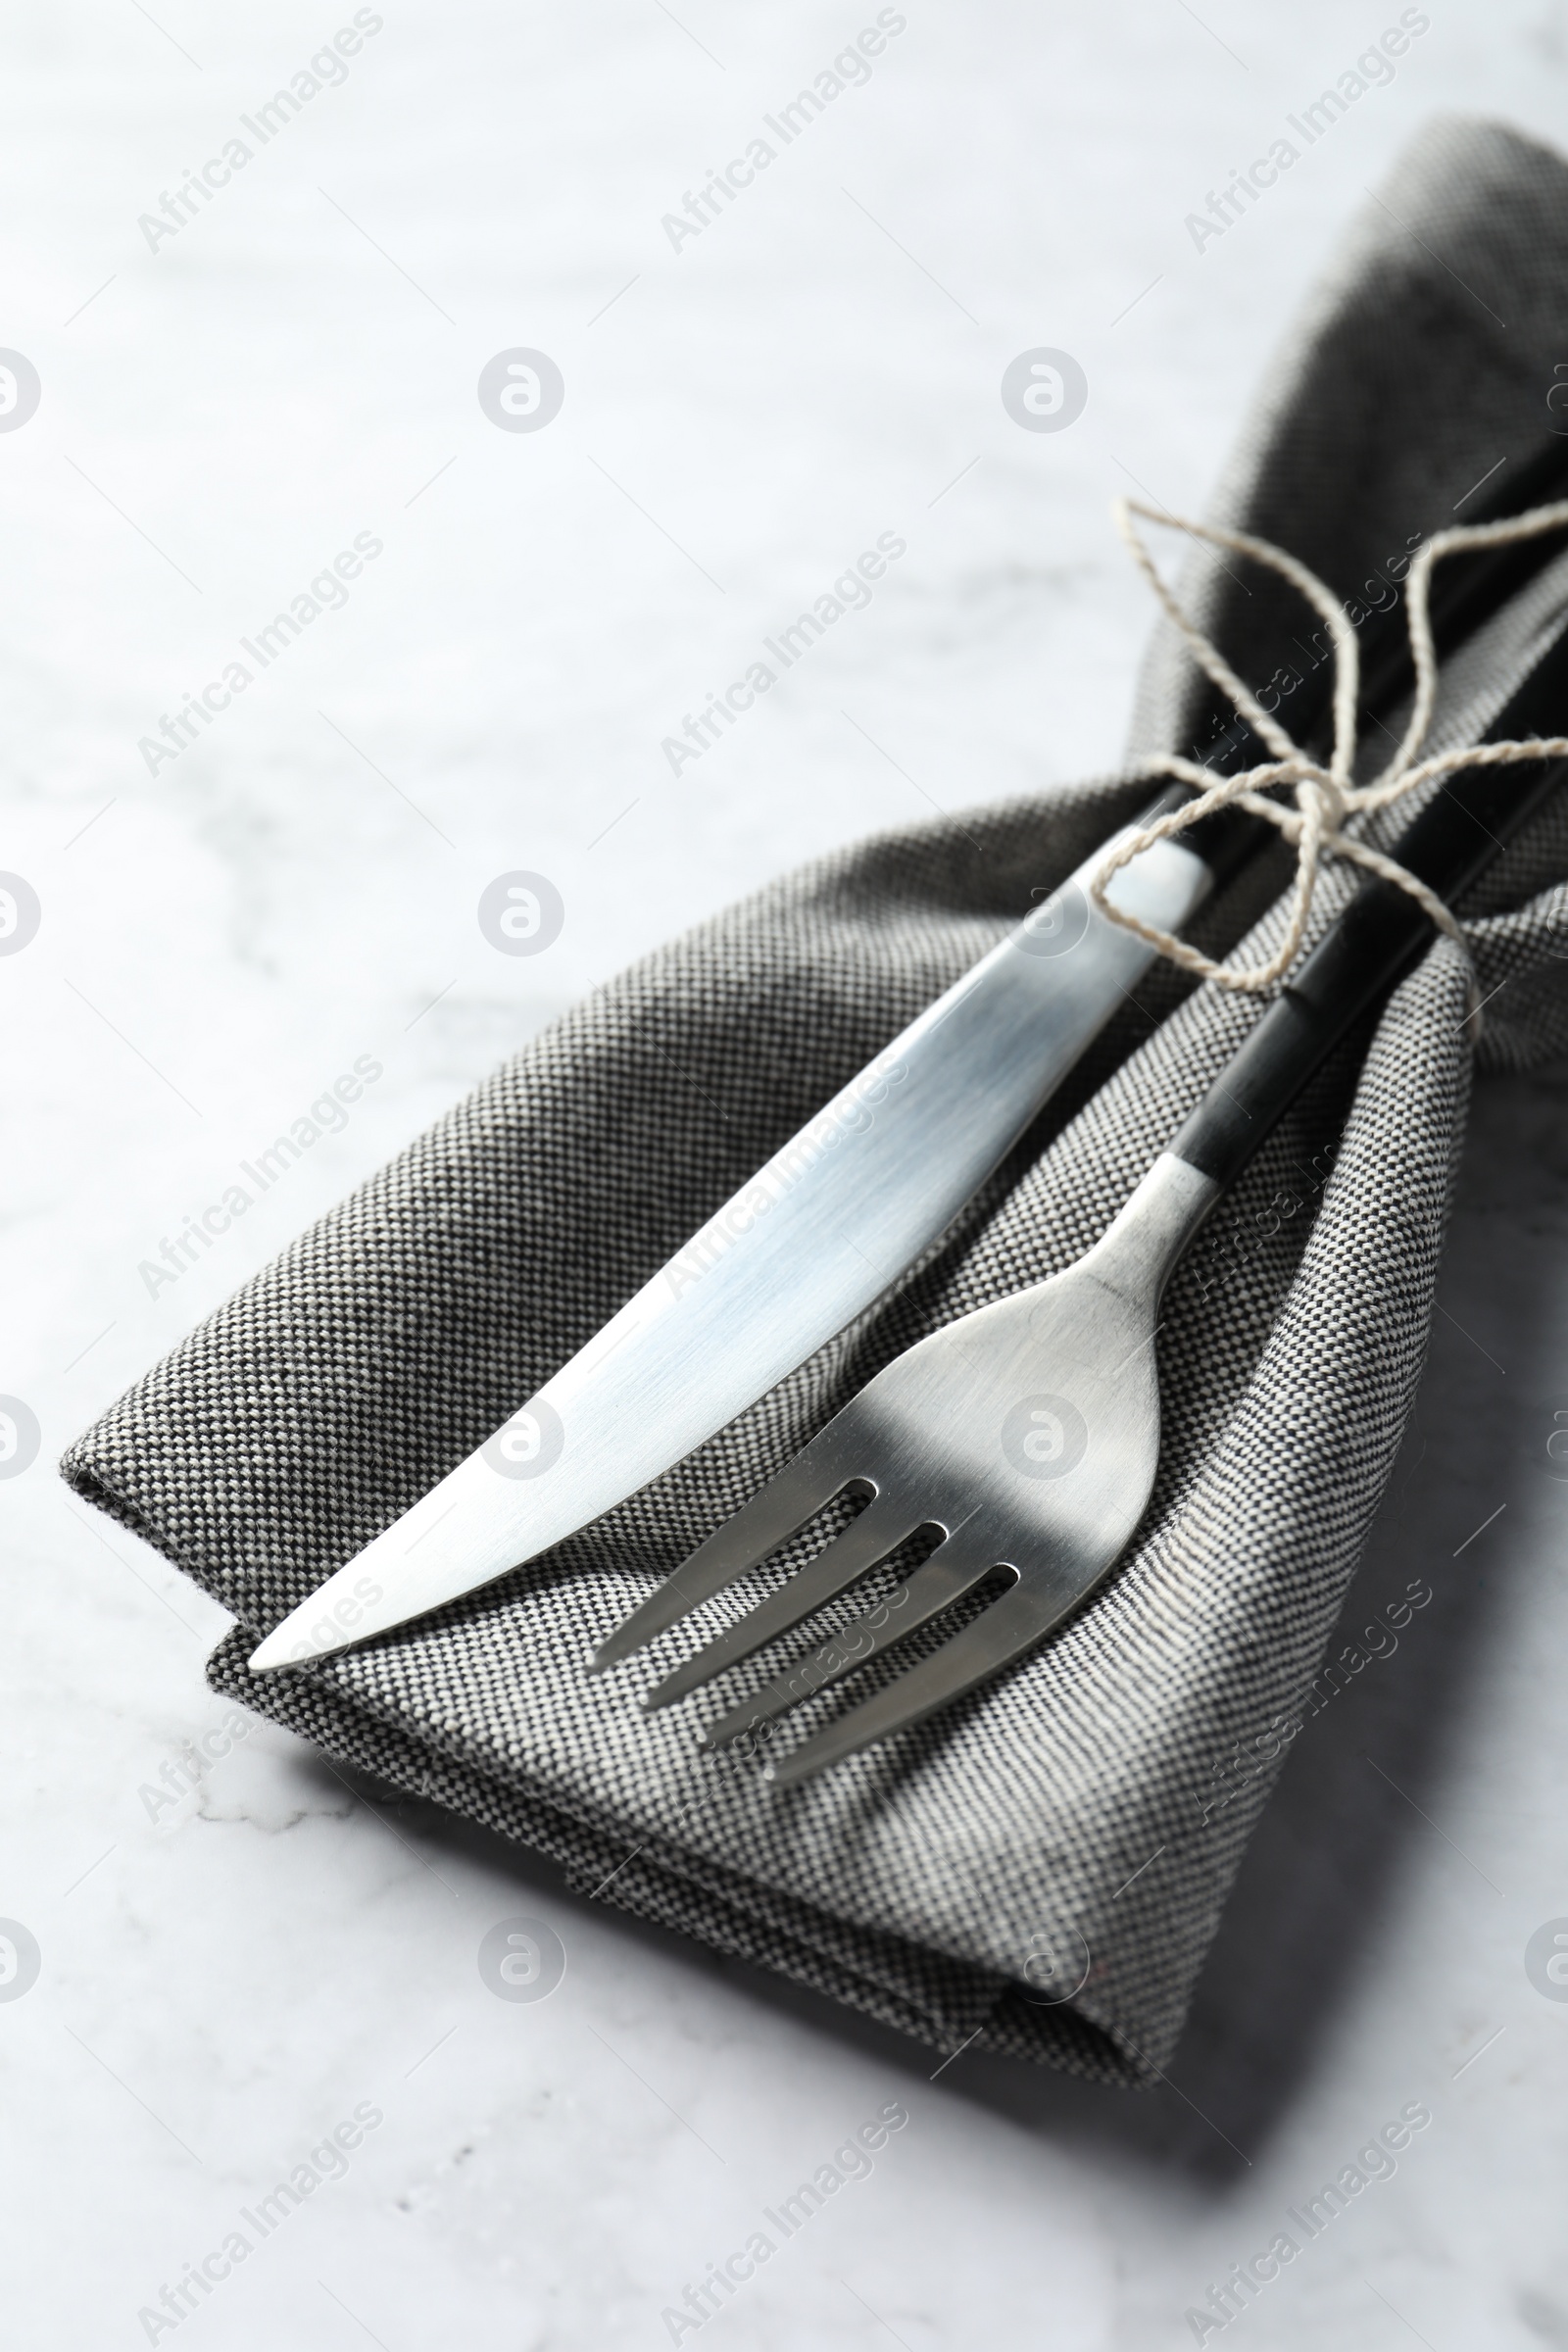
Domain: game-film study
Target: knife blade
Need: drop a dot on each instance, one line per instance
(842, 1208)
(797, 1253)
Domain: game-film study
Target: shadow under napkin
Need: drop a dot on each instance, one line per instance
(391, 1339)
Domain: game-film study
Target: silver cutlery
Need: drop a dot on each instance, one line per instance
(850, 1202)
(1027, 1433)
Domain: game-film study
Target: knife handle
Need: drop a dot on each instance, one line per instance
(1380, 935)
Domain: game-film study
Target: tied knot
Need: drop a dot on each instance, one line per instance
(1326, 805)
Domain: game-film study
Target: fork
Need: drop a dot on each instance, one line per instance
(1027, 1431)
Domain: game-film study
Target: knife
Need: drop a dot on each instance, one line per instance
(852, 1200)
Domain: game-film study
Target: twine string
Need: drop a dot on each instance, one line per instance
(1326, 802)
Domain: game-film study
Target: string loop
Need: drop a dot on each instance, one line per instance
(1326, 802)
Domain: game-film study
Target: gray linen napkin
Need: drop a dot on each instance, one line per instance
(1085, 1812)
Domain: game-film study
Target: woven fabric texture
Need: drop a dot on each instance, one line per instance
(1079, 1803)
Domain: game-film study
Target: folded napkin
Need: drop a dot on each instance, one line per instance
(1085, 1804)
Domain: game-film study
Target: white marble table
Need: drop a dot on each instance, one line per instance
(227, 1978)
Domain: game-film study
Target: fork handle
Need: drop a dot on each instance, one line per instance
(1380, 935)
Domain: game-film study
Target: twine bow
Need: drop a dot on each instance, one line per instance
(1326, 801)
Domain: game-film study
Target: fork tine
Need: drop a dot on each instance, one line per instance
(802, 1489)
(880, 1529)
(952, 1570)
(1003, 1632)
